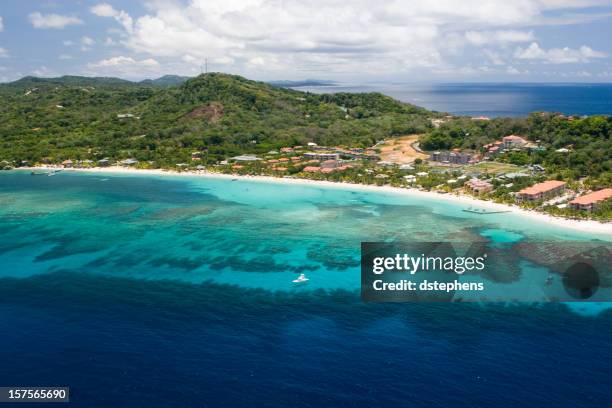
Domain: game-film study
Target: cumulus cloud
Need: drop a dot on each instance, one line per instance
(57, 21)
(498, 37)
(264, 37)
(558, 55)
(122, 61)
(87, 43)
(106, 10)
(331, 36)
(124, 66)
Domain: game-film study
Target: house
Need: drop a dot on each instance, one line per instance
(67, 163)
(454, 157)
(591, 201)
(322, 156)
(195, 156)
(541, 191)
(104, 162)
(311, 169)
(493, 150)
(245, 157)
(330, 164)
(437, 122)
(513, 141)
(312, 144)
(128, 162)
(478, 186)
(410, 178)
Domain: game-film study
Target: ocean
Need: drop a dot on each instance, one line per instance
(172, 291)
(493, 99)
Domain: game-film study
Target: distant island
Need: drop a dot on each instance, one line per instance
(228, 124)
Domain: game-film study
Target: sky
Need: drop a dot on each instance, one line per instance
(343, 40)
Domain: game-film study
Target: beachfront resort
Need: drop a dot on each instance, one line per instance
(400, 162)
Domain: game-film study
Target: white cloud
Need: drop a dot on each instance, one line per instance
(125, 67)
(498, 37)
(1, 24)
(334, 37)
(122, 61)
(558, 55)
(512, 71)
(106, 10)
(68, 43)
(44, 72)
(3, 53)
(494, 57)
(65, 57)
(87, 43)
(59, 21)
(109, 42)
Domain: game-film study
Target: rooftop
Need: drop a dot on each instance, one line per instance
(542, 187)
(593, 197)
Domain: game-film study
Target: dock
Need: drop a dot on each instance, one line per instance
(483, 211)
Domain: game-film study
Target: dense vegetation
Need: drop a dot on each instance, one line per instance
(587, 140)
(51, 120)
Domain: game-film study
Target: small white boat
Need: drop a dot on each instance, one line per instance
(301, 279)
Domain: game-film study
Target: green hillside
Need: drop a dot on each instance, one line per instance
(90, 118)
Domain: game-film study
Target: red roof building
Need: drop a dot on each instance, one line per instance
(540, 191)
(589, 202)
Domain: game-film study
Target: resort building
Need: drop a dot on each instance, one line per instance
(67, 163)
(591, 201)
(330, 164)
(104, 162)
(312, 169)
(478, 186)
(245, 157)
(454, 157)
(128, 162)
(541, 191)
(322, 156)
(513, 141)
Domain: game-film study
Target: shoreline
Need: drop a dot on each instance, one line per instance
(580, 225)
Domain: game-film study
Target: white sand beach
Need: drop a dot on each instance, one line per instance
(580, 225)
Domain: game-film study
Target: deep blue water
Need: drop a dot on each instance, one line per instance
(494, 99)
(145, 292)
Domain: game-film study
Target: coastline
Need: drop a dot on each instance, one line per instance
(579, 225)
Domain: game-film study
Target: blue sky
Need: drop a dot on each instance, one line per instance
(413, 41)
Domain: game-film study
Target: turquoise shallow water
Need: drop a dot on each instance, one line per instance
(248, 233)
(176, 291)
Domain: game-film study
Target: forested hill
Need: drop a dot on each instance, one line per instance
(91, 118)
